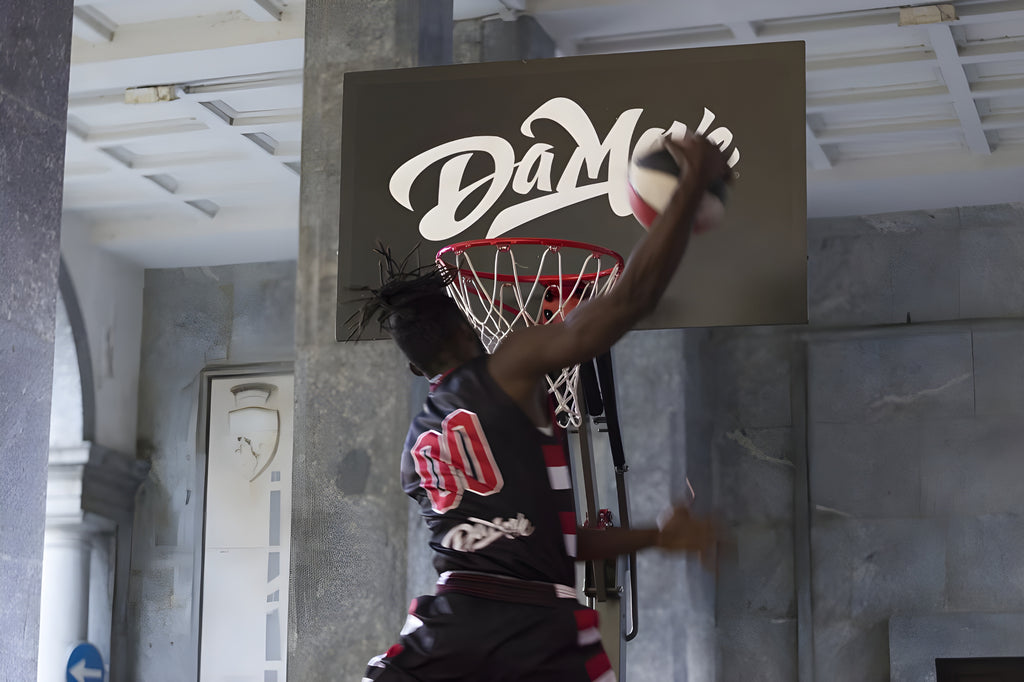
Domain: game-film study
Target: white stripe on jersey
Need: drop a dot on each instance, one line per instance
(559, 478)
(570, 544)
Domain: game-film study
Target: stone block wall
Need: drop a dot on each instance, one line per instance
(914, 420)
(915, 502)
(752, 453)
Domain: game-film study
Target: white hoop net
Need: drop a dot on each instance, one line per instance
(531, 282)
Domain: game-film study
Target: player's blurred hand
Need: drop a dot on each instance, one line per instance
(695, 154)
(679, 531)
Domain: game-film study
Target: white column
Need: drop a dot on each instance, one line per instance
(64, 614)
(101, 592)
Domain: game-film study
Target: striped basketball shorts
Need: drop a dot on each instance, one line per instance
(483, 628)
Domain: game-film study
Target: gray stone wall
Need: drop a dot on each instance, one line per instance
(751, 448)
(34, 63)
(675, 615)
(193, 318)
(915, 431)
(912, 434)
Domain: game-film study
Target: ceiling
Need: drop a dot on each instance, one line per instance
(204, 170)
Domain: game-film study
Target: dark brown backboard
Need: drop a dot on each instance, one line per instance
(546, 144)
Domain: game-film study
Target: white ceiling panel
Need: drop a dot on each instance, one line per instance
(899, 117)
(264, 98)
(997, 30)
(142, 11)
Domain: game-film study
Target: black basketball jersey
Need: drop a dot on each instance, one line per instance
(494, 490)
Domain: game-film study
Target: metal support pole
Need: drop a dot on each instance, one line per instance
(590, 498)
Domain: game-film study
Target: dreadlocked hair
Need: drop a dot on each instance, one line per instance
(411, 304)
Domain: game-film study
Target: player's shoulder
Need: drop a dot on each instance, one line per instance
(470, 386)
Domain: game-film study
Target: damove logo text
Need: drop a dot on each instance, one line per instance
(534, 170)
(470, 537)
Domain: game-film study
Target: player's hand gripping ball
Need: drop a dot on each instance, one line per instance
(654, 175)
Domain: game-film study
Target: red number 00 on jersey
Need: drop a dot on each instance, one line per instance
(455, 460)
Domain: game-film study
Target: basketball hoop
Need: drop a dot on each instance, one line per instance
(531, 282)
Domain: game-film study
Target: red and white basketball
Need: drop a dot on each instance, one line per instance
(653, 178)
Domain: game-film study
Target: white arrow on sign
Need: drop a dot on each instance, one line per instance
(81, 673)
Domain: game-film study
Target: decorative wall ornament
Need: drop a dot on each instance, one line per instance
(247, 528)
(254, 428)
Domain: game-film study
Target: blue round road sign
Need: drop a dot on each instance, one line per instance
(85, 664)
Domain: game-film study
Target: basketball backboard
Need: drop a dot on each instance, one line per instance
(438, 155)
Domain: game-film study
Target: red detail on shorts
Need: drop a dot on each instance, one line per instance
(586, 619)
(598, 665)
(568, 520)
(554, 455)
(412, 606)
(397, 649)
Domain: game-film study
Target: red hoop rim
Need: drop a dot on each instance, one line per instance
(547, 280)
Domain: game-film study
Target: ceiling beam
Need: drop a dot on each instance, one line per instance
(186, 50)
(997, 87)
(657, 40)
(992, 51)
(241, 119)
(274, 79)
(181, 236)
(262, 10)
(92, 25)
(132, 131)
(828, 23)
(952, 68)
(736, 32)
(744, 31)
(200, 65)
(933, 94)
(274, 147)
(173, 190)
(105, 180)
(193, 33)
(1003, 121)
(205, 206)
(880, 61)
(990, 12)
(816, 156)
(165, 163)
(888, 131)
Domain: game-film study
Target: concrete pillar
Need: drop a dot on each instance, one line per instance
(347, 587)
(496, 40)
(34, 67)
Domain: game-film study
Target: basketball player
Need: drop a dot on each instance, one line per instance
(489, 470)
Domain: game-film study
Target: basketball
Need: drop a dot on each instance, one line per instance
(653, 178)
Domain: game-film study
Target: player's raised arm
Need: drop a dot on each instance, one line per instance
(592, 328)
